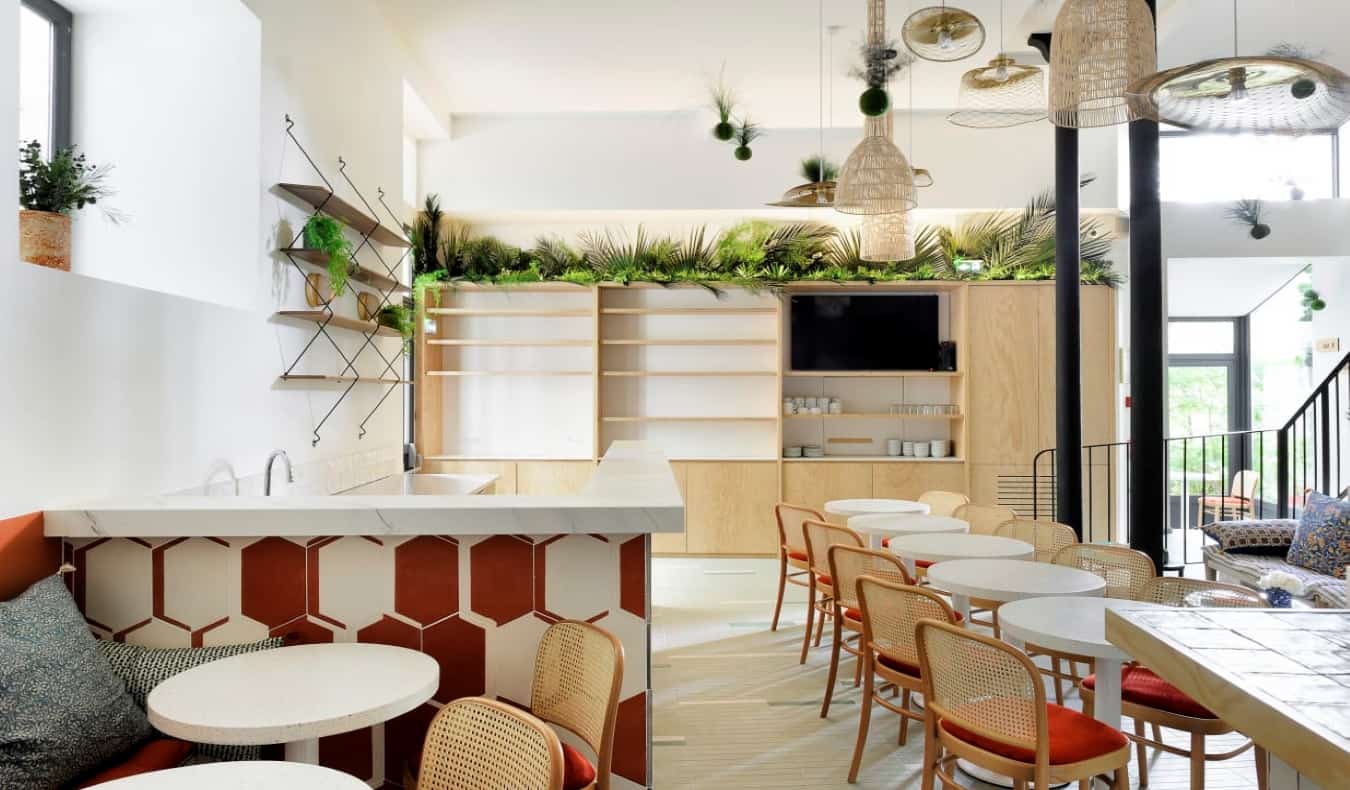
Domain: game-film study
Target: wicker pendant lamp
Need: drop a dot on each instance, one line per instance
(1098, 49)
(1001, 94)
(1262, 95)
(888, 237)
(943, 34)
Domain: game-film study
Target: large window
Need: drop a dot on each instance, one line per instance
(44, 73)
(1220, 168)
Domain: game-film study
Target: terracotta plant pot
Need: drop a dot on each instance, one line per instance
(44, 239)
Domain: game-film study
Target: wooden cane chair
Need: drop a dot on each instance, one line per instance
(890, 611)
(943, 503)
(1047, 536)
(985, 702)
(847, 564)
(481, 744)
(1148, 699)
(791, 550)
(1239, 503)
(820, 536)
(984, 519)
(578, 674)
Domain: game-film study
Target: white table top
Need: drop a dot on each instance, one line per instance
(1069, 624)
(1011, 580)
(292, 693)
(891, 524)
(945, 546)
(863, 507)
(250, 775)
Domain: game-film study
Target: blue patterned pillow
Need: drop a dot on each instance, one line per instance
(143, 668)
(63, 711)
(1322, 541)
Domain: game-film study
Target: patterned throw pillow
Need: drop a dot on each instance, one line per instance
(1260, 536)
(63, 711)
(143, 668)
(1322, 542)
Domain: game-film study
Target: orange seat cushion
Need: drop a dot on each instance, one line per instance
(155, 754)
(898, 665)
(885, 543)
(577, 770)
(823, 579)
(796, 555)
(1140, 686)
(1073, 738)
(923, 563)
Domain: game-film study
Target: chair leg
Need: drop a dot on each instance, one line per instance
(834, 662)
(1056, 665)
(1122, 779)
(904, 720)
(1262, 768)
(1157, 732)
(782, 584)
(1084, 784)
(1142, 752)
(931, 752)
(1197, 761)
(864, 717)
(820, 627)
(810, 618)
(857, 667)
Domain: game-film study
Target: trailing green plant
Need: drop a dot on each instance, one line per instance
(724, 103)
(747, 132)
(427, 282)
(425, 234)
(1310, 301)
(400, 318)
(817, 168)
(325, 234)
(63, 185)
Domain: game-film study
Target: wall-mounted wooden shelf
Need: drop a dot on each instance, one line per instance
(688, 419)
(884, 459)
(876, 416)
(508, 373)
(510, 343)
(321, 199)
(691, 342)
(317, 380)
(689, 310)
(337, 321)
(873, 374)
(318, 260)
(509, 312)
(691, 373)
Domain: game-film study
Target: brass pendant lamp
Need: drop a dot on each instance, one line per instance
(943, 34)
(1004, 93)
(1098, 49)
(1262, 95)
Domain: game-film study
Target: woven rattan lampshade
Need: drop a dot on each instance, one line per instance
(1098, 49)
(1001, 94)
(1271, 95)
(943, 34)
(888, 237)
(876, 178)
(819, 194)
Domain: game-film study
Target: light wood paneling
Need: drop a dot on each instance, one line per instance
(1004, 388)
(984, 484)
(729, 508)
(674, 542)
(813, 484)
(505, 471)
(908, 481)
(1097, 355)
(547, 478)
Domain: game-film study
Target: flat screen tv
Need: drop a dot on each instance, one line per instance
(864, 332)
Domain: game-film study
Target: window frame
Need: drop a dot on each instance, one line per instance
(1334, 137)
(63, 24)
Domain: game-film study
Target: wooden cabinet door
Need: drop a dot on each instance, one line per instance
(729, 508)
(1097, 358)
(899, 480)
(675, 542)
(812, 484)
(1004, 382)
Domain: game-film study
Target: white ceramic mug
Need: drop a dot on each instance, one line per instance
(920, 449)
(907, 448)
(893, 447)
(940, 448)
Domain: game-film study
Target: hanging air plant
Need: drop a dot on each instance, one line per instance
(724, 102)
(1248, 212)
(880, 64)
(817, 169)
(1312, 302)
(746, 133)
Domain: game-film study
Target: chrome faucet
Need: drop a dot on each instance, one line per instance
(267, 473)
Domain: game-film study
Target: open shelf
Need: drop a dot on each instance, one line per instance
(691, 373)
(318, 260)
(300, 378)
(337, 321)
(873, 374)
(877, 416)
(885, 459)
(321, 199)
(689, 311)
(510, 343)
(508, 372)
(692, 342)
(688, 419)
(508, 312)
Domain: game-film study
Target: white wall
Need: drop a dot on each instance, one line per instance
(1331, 280)
(9, 119)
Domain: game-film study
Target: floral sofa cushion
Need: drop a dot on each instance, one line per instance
(1322, 541)
(1264, 536)
(1320, 590)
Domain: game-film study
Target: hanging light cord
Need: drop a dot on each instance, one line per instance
(1235, 28)
(821, 86)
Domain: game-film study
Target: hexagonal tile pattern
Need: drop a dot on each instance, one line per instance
(192, 581)
(632, 632)
(510, 670)
(273, 581)
(580, 596)
(388, 631)
(236, 630)
(630, 740)
(356, 581)
(501, 577)
(633, 575)
(426, 578)
(157, 633)
(118, 584)
(458, 646)
(303, 631)
(403, 738)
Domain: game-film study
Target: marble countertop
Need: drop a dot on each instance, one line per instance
(1281, 677)
(632, 491)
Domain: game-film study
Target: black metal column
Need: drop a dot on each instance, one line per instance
(1068, 374)
(1148, 352)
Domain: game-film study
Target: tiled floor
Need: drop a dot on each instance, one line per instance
(733, 708)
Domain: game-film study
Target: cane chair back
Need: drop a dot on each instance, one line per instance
(1178, 591)
(480, 744)
(890, 613)
(1244, 484)
(1049, 537)
(578, 673)
(984, 686)
(1124, 570)
(984, 519)
(790, 519)
(943, 503)
(820, 536)
(848, 563)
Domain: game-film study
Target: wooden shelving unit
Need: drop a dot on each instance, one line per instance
(689, 374)
(318, 261)
(872, 374)
(507, 312)
(335, 322)
(755, 341)
(877, 416)
(454, 373)
(512, 343)
(655, 418)
(304, 378)
(689, 311)
(322, 199)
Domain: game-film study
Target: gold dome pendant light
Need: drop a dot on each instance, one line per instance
(1263, 95)
(1097, 50)
(888, 237)
(1001, 94)
(876, 178)
(818, 192)
(943, 34)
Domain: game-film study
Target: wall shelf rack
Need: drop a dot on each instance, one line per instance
(334, 321)
(877, 416)
(318, 260)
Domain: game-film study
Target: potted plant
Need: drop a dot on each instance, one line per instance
(399, 317)
(323, 233)
(48, 193)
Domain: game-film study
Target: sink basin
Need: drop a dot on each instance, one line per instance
(415, 484)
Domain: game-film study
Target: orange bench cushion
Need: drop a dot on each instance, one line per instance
(1073, 738)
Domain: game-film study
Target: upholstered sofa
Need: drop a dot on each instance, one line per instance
(1244, 551)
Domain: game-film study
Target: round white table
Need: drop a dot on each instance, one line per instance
(1074, 624)
(880, 526)
(1009, 580)
(293, 695)
(944, 547)
(848, 508)
(250, 775)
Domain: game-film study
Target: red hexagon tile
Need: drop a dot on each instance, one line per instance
(388, 631)
(403, 739)
(350, 752)
(192, 584)
(118, 583)
(426, 578)
(355, 581)
(578, 596)
(501, 577)
(633, 576)
(630, 740)
(303, 631)
(273, 581)
(459, 647)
